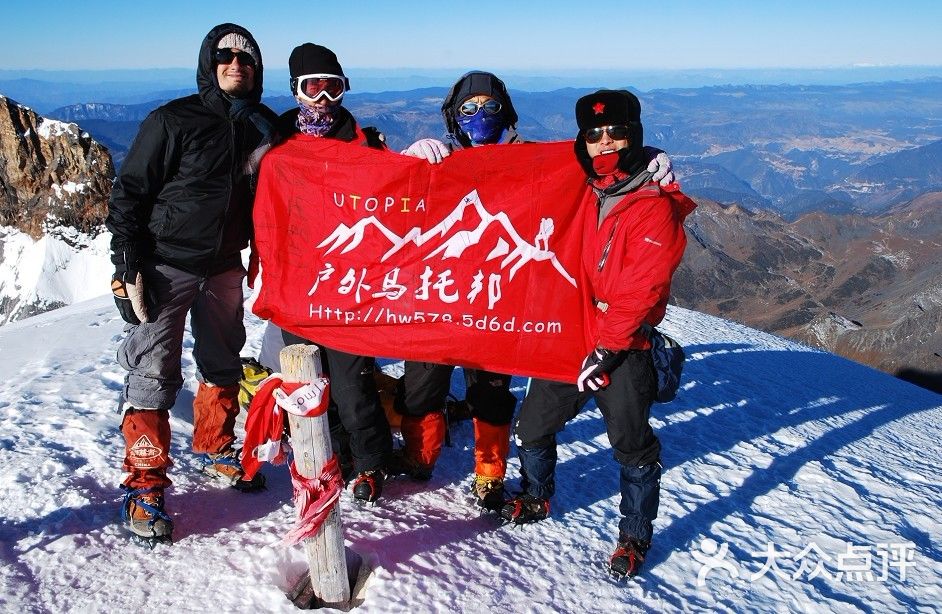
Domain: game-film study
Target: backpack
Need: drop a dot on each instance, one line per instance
(668, 356)
(253, 373)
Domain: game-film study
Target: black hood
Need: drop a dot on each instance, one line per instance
(476, 83)
(206, 82)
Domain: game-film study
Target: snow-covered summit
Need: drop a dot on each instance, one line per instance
(794, 481)
(49, 128)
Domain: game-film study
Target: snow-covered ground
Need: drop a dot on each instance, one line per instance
(773, 453)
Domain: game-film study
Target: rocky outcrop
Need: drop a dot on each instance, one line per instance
(55, 181)
(867, 288)
(52, 174)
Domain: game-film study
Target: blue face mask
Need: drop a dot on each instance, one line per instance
(482, 128)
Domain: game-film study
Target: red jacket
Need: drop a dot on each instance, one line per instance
(629, 259)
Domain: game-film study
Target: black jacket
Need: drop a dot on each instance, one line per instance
(183, 195)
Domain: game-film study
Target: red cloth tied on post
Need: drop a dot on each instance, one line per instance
(264, 426)
(314, 498)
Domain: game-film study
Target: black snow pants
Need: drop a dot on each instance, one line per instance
(626, 406)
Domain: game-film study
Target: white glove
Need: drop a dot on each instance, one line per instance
(432, 150)
(660, 165)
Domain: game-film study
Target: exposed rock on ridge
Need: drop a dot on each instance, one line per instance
(55, 182)
(867, 288)
(51, 174)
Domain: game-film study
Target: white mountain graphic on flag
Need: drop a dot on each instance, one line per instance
(514, 250)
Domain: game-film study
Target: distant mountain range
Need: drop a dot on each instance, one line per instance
(790, 149)
(114, 125)
(865, 287)
(45, 90)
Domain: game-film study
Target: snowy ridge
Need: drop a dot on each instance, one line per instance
(53, 244)
(769, 442)
(69, 186)
(63, 267)
(52, 127)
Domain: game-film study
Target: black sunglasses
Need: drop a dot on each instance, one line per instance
(617, 133)
(225, 56)
(470, 107)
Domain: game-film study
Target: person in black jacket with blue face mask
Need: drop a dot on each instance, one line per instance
(477, 111)
(180, 214)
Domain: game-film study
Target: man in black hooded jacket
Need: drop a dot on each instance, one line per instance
(180, 214)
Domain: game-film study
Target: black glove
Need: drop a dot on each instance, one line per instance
(129, 297)
(596, 368)
(127, 286)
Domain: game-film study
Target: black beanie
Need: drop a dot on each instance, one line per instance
(311, 59)
(611, 108)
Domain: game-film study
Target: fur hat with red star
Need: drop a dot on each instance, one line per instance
(607, 108)
(611, 108)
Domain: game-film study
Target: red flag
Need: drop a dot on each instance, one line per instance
(474, 262)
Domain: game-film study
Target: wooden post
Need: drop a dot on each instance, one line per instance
(310, 440)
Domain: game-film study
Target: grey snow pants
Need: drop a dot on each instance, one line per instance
(152, 352)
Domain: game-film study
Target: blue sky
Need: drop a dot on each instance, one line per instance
(671, 34)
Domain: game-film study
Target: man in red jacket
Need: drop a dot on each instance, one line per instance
(634, 244)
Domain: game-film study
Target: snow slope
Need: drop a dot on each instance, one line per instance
(771, 445)
(65, 266)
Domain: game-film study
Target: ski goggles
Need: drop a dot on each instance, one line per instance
(320, 85)
(616, 133)
(469, 108)
(226, 56)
